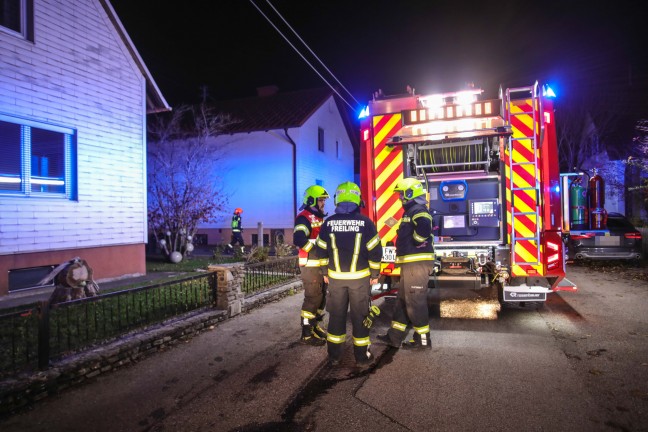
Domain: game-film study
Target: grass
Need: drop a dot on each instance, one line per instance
(155, 264)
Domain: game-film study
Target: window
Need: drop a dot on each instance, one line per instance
(320, 139)
(337, 148)
(17, 16)
(38, 159)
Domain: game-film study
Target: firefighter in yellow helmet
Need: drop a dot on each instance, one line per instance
(415, 257)
(307, 227)
(350, 252)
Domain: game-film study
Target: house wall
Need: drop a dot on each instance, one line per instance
(78, 74)
(327, 166)
(257, 173)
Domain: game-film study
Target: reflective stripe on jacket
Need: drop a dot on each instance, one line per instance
(414, 240)
(349, 247)
(307, 227)
(236, 223)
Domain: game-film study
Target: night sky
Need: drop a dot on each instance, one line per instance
(228, 46)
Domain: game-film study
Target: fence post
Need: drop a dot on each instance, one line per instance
(43, 334)
(229, 280)
(260, 234)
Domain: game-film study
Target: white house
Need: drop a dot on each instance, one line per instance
(281, 144)
(74, 94)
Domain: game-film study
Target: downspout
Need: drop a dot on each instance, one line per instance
(294, 170)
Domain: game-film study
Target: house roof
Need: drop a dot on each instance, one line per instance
(155, 101)
(276, 111)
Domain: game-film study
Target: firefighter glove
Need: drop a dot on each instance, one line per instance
(374, 311)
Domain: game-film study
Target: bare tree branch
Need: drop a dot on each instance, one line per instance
(184, 186)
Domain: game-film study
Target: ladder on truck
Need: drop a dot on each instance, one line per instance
(523, 142)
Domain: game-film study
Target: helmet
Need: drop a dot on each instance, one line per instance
(238, 210)
(348, 192)
(410, 188)
(312, 193)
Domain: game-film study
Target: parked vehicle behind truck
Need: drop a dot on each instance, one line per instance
(591, 233)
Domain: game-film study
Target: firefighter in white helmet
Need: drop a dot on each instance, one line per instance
(307, 227)
(350, 252)
(415, 257)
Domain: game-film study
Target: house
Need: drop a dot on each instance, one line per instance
(74, 94)
(278, 145)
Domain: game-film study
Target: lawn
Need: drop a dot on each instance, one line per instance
(157, 263)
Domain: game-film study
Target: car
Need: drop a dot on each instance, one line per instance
(622, 241)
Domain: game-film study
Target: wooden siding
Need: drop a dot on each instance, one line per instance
(77, 74)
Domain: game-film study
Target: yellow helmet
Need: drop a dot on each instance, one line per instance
(313, 193)
(348, 192)
(409, 188)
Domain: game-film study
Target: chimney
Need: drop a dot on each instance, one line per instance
(268, 90)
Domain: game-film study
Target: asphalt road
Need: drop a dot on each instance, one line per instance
(579, 363)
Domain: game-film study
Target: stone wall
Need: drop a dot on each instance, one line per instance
(27, 388)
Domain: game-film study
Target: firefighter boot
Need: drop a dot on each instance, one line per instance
(384, 338)
(419, 342)
(308, 336)
(364, 361)
(318, 331)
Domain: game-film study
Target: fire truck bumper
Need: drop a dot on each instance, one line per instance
(525, 293)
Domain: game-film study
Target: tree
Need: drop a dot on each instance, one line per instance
(183, 186)
(638, 163)
(586, 123)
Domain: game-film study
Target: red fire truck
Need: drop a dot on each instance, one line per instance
(491, 172)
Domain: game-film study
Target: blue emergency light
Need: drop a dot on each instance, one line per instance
(548, 92)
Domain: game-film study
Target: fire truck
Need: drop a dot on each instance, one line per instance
(490, 168)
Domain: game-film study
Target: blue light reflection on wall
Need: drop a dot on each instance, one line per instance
(260, 183)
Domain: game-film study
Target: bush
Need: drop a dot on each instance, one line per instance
(283, 250)
(257, 254)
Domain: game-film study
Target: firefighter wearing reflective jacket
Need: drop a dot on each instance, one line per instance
(237, 230)
(350, 252)
(307, 227)
(415, 257)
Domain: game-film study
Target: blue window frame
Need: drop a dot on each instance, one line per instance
(320, 139)
(39, 159)
(17, 17)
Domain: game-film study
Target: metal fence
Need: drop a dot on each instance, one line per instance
(33, 335)
(18, 339)
(268, 274)
(77, 324)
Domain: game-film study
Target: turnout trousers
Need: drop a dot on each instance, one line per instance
(411, 308)
(345, 294)
(237, 237)
(314, 294)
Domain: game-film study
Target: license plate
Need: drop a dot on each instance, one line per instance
(513, 296)
(389, 254)
(607, 241)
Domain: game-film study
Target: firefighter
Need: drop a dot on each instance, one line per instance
(237, 237)
(307, 226)
(415, 257)
(350, 252)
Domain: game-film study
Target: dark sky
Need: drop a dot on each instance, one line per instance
(432, 45)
